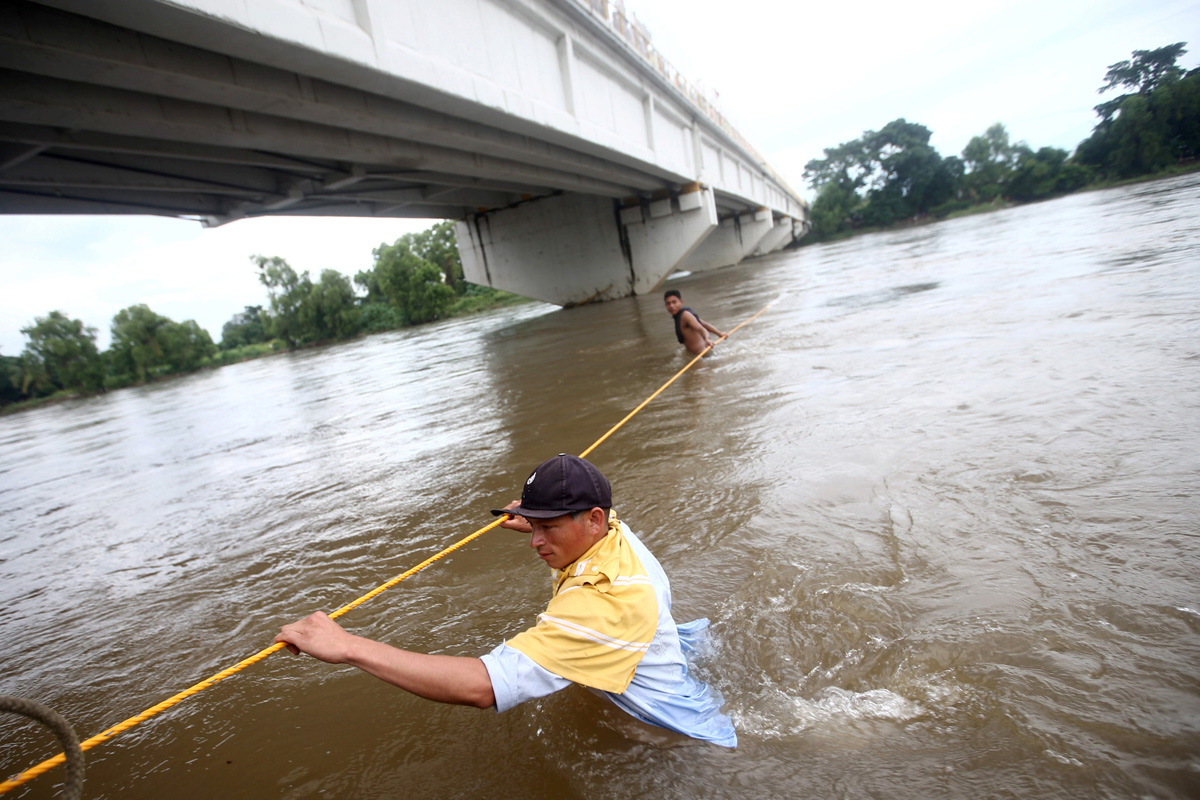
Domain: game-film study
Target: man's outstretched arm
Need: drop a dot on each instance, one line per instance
(447, 679)
(711, 329)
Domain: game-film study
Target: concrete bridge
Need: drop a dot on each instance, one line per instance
(579, 165)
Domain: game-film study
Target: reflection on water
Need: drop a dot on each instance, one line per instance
(939, 503)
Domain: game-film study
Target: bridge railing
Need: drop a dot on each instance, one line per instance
(634, 34)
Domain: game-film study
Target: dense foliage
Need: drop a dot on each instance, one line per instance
(416, 279)
(61, 353)
(893, 175)
(1152, 127)
(146, 345)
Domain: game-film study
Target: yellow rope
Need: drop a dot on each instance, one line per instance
(50, 763)
(646, 402)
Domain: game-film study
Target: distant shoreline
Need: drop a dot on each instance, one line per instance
(999, 205)
(65, 396)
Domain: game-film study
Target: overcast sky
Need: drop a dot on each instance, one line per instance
(794, 78)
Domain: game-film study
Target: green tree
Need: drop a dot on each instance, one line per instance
(146, 344)
(303, 311)
(1144, 131)
(61, 354)
(1139, 138)
(137, 341)
(910, 177)
(439, 246)
(10, 379)
(377, 317)
(288, 292)
(411, 283)
(834, 208)
(331, 310)
(246, 327)
(1144, 72)
(32, 377)
(848, 165)
(989, 160)
(369, 282)
(186, 346)
(902, 174)
(1043, 174)
(1181, 109)
(838, 179)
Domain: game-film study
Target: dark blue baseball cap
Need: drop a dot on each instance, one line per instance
(561, 485)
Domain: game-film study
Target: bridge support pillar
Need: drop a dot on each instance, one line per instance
(775, 238)
(571, 249)
(735, 239)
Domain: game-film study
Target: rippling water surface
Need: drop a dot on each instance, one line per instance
(940, 503)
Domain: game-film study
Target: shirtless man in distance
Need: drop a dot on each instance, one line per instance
(691, 331)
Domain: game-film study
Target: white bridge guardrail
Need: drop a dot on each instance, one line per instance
(633, 33)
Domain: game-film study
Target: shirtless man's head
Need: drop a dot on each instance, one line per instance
(673, 300)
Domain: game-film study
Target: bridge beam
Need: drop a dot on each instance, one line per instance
(573, 249)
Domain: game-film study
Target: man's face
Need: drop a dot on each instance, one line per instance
(561, 540)
(673, 305)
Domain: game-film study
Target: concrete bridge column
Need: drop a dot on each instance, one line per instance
(572, 248)
(735, 239)
(776, 238)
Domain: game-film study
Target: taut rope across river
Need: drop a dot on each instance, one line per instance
(109, 733)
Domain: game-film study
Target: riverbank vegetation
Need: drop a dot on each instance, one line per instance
(416, 279)
(893, 176)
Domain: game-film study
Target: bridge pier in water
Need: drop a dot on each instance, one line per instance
(736, 238)
(572, 249)
(775, 238)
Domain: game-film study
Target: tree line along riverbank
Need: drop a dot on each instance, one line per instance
(894, 176)
(414, 280)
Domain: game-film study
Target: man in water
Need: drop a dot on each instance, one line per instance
(691, 331)
(608, 625)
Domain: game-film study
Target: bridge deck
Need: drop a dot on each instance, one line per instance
(144, 107)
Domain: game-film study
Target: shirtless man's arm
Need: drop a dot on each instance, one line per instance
(711, 329)
(695, 332)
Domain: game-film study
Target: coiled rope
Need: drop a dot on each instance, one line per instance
(88, 744)
(62, 730)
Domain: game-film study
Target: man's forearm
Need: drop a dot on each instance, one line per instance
(447, 679)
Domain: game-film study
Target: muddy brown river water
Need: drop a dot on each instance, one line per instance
(940, 503)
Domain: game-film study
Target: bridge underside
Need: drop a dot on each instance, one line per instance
(576, 249)
(174, 114)
(99, 119)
